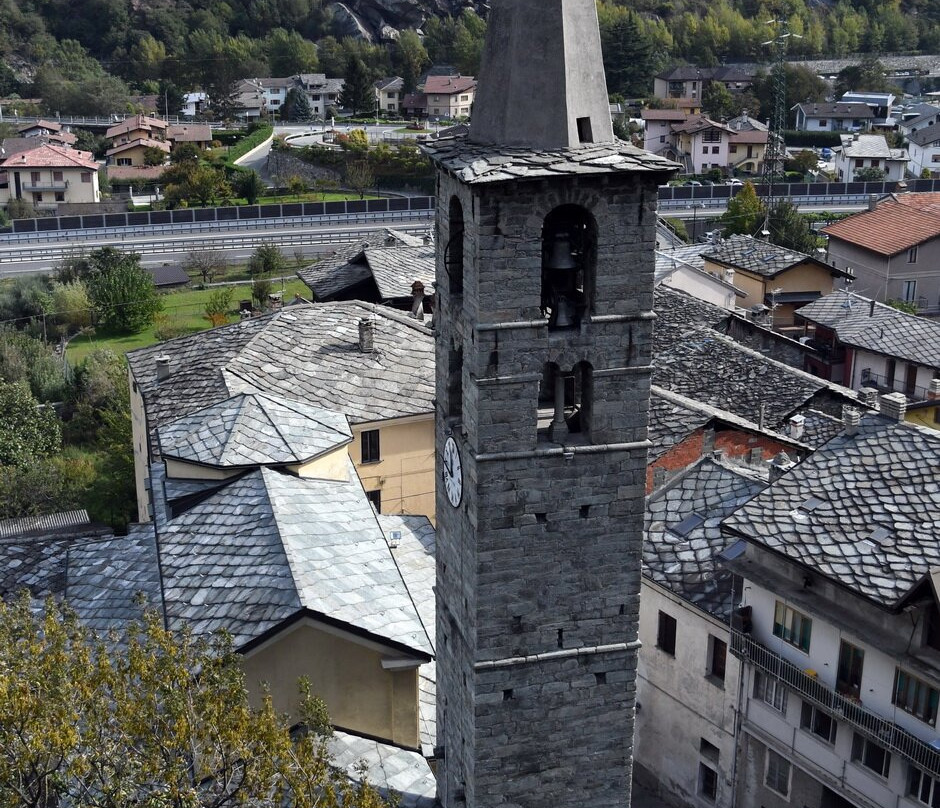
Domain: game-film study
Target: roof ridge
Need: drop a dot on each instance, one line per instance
(283, 437)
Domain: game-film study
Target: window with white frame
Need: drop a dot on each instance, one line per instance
(818, 722)
(871, 755)
(792, 626)
(915, 696)
(908, 291)
(777, 773)
(770, 691)
(923, 787)
(912, 255)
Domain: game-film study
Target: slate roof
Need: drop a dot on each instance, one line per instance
(395, 269)
(47, 523)
(927, 135)
(389, 769)
(759, 257)
(683, 534)
(897, 224)
(871, 326)
(475, 163)
(863, 510)
(679, 314)
(819, 428)
(836, 110)
(670, 423)
(270, 546)
(870, 146)
(254, 430)
(302, 353)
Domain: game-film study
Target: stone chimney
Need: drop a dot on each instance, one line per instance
(869, 397)
(851, 418)
(779, 466)
(366, 335)
(894, 406)
(417, 300)
(162, 363)
(797, 426)
(873, 201)
(933, 391)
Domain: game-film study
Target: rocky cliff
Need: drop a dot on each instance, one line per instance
(382, 19)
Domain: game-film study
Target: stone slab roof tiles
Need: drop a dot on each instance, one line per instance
(757, 256)
(670, 423)
(837, 110)
(678, 314)
(395, 269)
(269, 546)
(254, 429)
(897, 224)
(480, 163)
(863, 510)
(870, 326)
(683, 534)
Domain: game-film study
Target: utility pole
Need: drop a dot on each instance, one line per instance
(776, 152)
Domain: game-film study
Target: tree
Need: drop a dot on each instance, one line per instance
(359, 177)
(267, 259)
(745, 212)
(867, 76)
(250, 185)
(170, 98)
(790, 230)
(167, 720)
(123, 293)
(154, 156)
(870, 174)
(469, 34)
(803, 161)
(207, 264)
(260, 290)
(27, 359)
(27, 429)
(71, 306)
(717, 101)
(185, 153)
(410, 57)
(298, 107)
(218, 305)
(358, 93)
(289, 53)
(20, 209)
(628, 58)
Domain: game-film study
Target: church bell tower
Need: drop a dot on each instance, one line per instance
(546, 231)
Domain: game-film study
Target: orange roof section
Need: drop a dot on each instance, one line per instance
(48, 156)
(897, 224)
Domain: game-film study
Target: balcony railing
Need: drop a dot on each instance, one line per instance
(880, 730)
(46, 185)
(897, 385)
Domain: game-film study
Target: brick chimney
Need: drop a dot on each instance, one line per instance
(851, 418)
(894, 406)
(162, 363)
(933, 391)
(366, 335)
(869, 397)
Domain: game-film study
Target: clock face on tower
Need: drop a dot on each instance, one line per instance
(452, 473)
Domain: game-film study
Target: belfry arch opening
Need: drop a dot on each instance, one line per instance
(569, 260)
(565, 403)
(454, 251)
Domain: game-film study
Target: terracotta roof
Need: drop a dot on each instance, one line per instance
(145, 142)
(897, 224)
(449, 85)
(134, 123)
(836, 110)
(748, 136)
(48, 156)
(189, 133)
(663, 115)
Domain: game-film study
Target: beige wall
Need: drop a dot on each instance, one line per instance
(405, 472)
(135, 154)
(70, 186)
(346, 672)
(141, 453)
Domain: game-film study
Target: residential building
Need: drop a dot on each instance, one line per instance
(449, 96)
(370, 362)
(880, 104)
(689, 81)
(892, 249)
(137, 153)
(861, 343)
(51, 131)
(923, 145)
(135, 128)
(684, 268)
(200, 135)
(813, 116)
(248, 100)
(770, 276)
(47, 175)
(322, 92)
(917, 117)
(701, 144)
(275, 92)
(747, 145)
(837, 632)
(658, 134)
(389, 93)
(859, 152)
(193, 104)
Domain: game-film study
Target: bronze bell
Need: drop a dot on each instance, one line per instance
(561, 257)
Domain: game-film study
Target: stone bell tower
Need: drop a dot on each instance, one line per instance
(546, 230)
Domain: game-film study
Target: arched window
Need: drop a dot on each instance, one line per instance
(565, 402)
(453, 253)
(455, 382)
(569, 258)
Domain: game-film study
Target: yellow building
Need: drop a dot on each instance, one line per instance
(373, 364)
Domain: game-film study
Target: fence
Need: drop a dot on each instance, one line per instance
(720, 194)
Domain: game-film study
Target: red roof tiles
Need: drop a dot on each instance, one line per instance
(48, 156)
(897, 224)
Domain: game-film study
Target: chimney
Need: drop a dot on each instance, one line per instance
(869, 397)
(933, 391)
(797, 425)
(417, 300)
(851, 418)
(779, 466)
(163, 367)
(873, 201)
(871, 309)
(366, 335)
(894, 406)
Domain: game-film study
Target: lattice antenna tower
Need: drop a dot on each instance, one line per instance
(775, 153)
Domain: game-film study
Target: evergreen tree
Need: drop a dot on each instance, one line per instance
(628, 59)
(790, 230)
(410, 58)
(358, 93)
(298, 105)
(745, 212)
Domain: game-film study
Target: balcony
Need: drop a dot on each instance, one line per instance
(843, 708)
(883, 384)
(46, 185)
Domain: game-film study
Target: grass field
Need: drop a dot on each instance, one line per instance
(183, 313)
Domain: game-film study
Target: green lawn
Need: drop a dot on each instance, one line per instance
(183, 313)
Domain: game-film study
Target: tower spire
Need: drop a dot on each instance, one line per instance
(542, 82)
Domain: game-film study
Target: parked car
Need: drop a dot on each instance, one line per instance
(826, 153)
(694, 183)
(734, 183)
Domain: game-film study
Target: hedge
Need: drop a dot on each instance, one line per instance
(252, 140)
(795, 138)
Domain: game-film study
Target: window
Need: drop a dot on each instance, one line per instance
(57, 176)
(666, 634)
(732, 149)
(60, 196)
(849, 675)
(770, 691)
(124, 161)
(711, 136)
(704, 149)
(715, 149)
(86, 176)
(871, 755)
(912, 255)
(859, 163)
(908, 291)
(569, 250)
(915, 697)
(370, 446)
(821, 724)
(792, 626)
(375, 499)
(585, 135)
(707, 782)
(824, 122)
(777, 775)
(890, 369)
(453, 254)
(923, 788)
(34, 177)
(717, 658)
(662, 139)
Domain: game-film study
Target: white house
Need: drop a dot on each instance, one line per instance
(869, 151)
(923, 145)
(684, 268)
(813, 116)
(48, 175)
